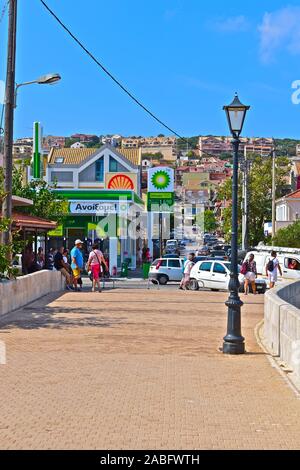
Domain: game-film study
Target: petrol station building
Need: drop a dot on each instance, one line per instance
(102, 190)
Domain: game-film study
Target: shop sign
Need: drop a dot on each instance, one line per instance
(160, 180)
(93, 207)
(58, 232)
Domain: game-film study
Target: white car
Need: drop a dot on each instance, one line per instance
(215, 275)
(164, 270)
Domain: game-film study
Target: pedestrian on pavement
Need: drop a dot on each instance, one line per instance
(77, 262)
(40, 258)
(62, 267)
(139, 257)
(148, 255)
(272, 269)
(250, 272)
(95, 262)
(50, 257)
(188, 266)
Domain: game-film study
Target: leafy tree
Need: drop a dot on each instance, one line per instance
(69, 142)
(288, 236)
(260, 195)
(207, 220)
(46, 203)
(15, 246)
(153, 156)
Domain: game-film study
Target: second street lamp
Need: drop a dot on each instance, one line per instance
(49, 79)
(234, 343)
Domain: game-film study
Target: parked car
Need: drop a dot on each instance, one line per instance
(219, 254)
(286, 256)
(215, 275)
(171, 246)
(164, 270)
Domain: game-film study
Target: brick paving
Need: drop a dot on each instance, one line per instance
(138, 369)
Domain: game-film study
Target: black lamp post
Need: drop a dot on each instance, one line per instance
(234, 343)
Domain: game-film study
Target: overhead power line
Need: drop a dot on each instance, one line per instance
(110, 75)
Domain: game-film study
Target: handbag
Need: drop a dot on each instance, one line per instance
(244, 268)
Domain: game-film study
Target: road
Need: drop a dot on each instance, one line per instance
(139, 369)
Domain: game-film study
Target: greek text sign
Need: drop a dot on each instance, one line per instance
(93, 207)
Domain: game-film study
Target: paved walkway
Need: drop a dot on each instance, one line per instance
(139, 369)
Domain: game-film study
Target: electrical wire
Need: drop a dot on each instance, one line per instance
(110, 75)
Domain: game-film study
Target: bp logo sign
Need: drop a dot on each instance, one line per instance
(160, 180)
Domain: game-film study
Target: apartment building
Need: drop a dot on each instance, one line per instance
(51, 141)
(164, 145)
(212, 145)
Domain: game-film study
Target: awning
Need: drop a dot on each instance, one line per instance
(33, 223)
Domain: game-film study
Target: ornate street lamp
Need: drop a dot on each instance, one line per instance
(234, 343)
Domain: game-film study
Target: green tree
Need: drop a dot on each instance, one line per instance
(15, 246)
(207, 221)
(260, 195)
(288, 236)
(46, 203)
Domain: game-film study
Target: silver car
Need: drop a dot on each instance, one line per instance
(165, 270)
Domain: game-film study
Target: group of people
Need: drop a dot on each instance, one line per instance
(71, 268)
(70, 264)
(248, 269)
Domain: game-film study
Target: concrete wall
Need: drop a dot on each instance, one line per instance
(25, 289)
(282, 324)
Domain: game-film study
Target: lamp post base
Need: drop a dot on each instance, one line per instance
(234, 348)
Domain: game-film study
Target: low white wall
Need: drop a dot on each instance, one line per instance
(25, 289)
(282, 324)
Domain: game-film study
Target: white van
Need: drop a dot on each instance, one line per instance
(262, 255)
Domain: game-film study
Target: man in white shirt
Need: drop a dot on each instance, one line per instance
(188, 266)
(272, 269)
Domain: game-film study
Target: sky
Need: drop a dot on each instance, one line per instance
(184, 59)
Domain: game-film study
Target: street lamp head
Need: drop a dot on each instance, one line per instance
(236, 113)
(49, 79)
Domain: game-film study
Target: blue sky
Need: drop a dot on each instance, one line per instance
(183, 58)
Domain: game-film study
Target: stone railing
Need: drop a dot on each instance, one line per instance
(25, 289)
(282, 324)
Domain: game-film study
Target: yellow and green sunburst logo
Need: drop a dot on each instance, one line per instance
(161, 180)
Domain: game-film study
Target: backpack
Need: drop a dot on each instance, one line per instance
(270, 266)
(244, 268)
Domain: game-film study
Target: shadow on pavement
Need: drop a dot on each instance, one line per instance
(40, 314)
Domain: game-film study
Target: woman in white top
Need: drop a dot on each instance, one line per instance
(272, 269)
(96, 259)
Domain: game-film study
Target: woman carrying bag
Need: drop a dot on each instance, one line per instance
(249, 270)
(95, 262)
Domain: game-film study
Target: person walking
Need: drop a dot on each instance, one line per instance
(95, 262)
(250, 272)
(77, 262)
(50, 259)
(62, 267)
(40, 258)
(272, 269)
(188, 266)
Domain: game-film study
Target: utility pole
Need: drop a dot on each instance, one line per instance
(9, 114)
(273, 192)
(245, 208)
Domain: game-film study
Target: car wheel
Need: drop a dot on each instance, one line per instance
(163, 280)
(194, 286)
